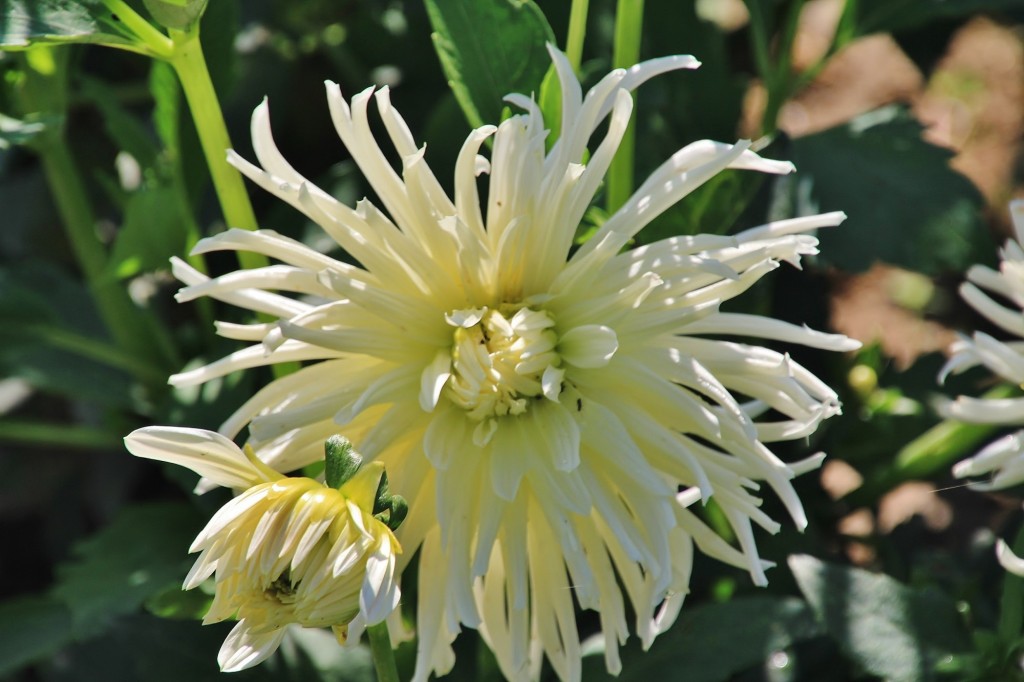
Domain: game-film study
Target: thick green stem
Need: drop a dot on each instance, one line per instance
(629, 16)
(190, 65)
(577, 32)
(1011, 605)
(159, 44)
(383, 654)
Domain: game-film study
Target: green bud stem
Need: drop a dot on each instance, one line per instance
(383, 654)
(190, 65)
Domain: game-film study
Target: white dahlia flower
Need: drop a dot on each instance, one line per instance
(550, 412)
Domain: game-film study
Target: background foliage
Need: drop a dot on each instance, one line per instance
(94, 540)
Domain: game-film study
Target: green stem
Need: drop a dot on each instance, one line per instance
(1011, 605)
(577, 32)
(383, 654)
(190, 65)
(629, 15)
(157, 42)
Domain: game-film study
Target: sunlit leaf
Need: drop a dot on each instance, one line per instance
(141, 553)
(151, 233)
(906, 206)
(488, 49)
(757, 627)
(893, 631)
(23, 22)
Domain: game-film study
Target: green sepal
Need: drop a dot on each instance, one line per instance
(383, 499)
(179, 14)
(399, 510)
(341, 462)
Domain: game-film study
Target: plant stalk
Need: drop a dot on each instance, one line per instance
(383, 654)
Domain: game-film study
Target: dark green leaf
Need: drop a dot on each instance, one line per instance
(756, 627)
(140, 554)
(179, 604)
(23, 22)
(179, 14)
(896, 15)
(906, 205)
(43, 309)
(893, 631)
(150, 235)
(127, 131)
(144, 648)
(489, 49)
(31, 628)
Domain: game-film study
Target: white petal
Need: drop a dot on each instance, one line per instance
(588, 346)
(207, 453)
(1008, 560)
(434, 377)
(243, 649)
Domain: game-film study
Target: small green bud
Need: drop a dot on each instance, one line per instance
(399, 510)
(341, 462)
(383, 501)
(179, 14)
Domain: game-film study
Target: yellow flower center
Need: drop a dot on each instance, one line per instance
(501, 359)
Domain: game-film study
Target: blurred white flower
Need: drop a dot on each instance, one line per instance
(1004, 458)
(286, 550)
(550, 412)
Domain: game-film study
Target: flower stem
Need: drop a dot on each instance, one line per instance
(629, 15)
(190, 65)
(577, 32)
(383, 654)
(149, 35)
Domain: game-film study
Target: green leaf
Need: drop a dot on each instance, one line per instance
(50, 334)
(178, 14)
(126, 130)
(712, 642)
(896, 15)
(488, 49)
(140, 554)
(31, 628)
(713, 208)
(891, 630)
(906, 205)
(25, 22)
(144, 648)
(150, 235)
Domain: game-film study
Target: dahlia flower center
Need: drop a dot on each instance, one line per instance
(501, 359)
